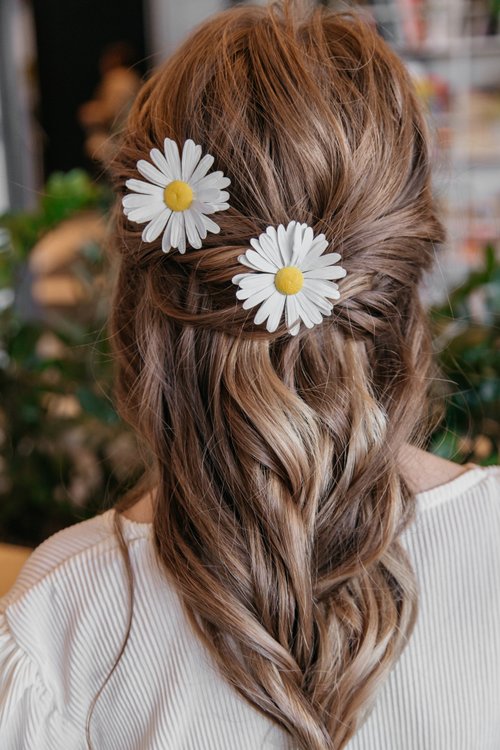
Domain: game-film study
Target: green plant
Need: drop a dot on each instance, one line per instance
(63, 451)
(467, 342)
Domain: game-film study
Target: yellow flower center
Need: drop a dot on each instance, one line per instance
(178, 195)
(289, 280)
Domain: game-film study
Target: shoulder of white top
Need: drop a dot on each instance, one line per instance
(469, 481)
(67, 546)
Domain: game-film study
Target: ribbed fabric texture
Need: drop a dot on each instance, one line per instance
(62, 624)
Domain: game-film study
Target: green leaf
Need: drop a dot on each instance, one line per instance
(96, 406)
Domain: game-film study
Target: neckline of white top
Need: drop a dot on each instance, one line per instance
(425, 500)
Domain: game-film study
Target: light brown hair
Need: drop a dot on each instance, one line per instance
(279, 500)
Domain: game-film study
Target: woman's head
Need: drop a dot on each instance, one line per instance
(279, 500)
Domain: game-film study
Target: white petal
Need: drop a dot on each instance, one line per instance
(294, 233)
(326, 288)
(319, 300)
(210, 225)
(259, 262)
(284, 247)
(211, 195)
(276, 312)
(191, 155)
(167, 235)
(212, 180)
(191, 231)
(182, 239)
(223, 197)
(257, 280)
(152, 174)
(159, 160)
(307, 237)
(177, 226)
(172, 157)
(310, 262)
(267, 307)
(207, 208)
(237, 278)
(303, 313)
(268, 249)
(272, 233)
(134, 200)
(213, 207)
(290, 231)
(309, 308)
(320, 238)
(144, 213)
(302, 244)
(202, 168)
(144, 187)
(155, 228)
(137, 200)
(256, 298)
(292, 315)
(329, 259)
(245, 292)
(296, 243)
(244, 260)
(255, 295)
(330, 272)
(198, 221)
(316, 250)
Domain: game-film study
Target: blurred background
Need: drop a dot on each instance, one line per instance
(69, 70)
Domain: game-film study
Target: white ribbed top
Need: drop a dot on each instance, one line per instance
(62, 623)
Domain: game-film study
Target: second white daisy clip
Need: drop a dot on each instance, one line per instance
(290, 272)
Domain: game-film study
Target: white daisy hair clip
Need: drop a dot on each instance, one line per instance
(290, 272)
(177, 196)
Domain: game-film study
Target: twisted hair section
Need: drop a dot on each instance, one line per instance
(278, 497)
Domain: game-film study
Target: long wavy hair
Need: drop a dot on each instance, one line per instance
(278, 495)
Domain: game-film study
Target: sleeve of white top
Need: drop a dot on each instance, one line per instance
(48, 632)
(29, 717)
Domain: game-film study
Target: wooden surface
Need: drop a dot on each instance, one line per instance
(11, 562)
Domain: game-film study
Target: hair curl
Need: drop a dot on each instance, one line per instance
(278, 494)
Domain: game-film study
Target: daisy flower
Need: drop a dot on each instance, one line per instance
(290, 272)
(177, 196)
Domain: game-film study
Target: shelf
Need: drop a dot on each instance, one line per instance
(465, 47)
(458, 79)
(477, 164)
(447, 162)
